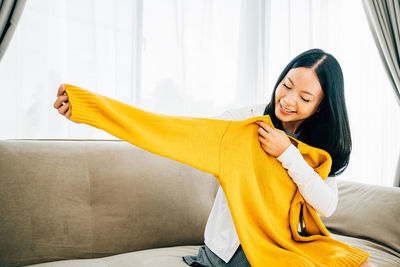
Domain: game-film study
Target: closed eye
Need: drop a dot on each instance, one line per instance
(305, 100)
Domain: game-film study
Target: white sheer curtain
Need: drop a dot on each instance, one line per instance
(194, 58)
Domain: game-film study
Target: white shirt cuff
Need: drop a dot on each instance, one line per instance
(288, 155)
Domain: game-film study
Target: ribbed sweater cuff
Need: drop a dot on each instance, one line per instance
(82, 105)
(354, 257)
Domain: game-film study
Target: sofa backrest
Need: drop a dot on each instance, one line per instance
(66, 199)
(370, 212)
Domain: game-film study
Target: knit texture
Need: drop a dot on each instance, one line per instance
(264, 201)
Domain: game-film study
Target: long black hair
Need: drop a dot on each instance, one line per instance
(329, 128)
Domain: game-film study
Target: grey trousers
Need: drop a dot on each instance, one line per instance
(207, 258)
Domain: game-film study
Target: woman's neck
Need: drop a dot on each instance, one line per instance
(290, 127)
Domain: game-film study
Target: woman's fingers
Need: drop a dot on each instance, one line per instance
(62, 110)
(62, 103)
(266, 127)
(60, 100)
(273, 141)
(262, 131)
(68, 114)
(61, 90)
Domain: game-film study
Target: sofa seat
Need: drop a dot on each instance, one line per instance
(166, 257)
(172, 256)
(381, 255)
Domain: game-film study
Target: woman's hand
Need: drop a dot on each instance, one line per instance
(62, 98)
(273, 141)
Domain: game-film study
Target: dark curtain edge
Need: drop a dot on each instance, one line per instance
(10, 25)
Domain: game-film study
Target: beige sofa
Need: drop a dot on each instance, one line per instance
(109, 203)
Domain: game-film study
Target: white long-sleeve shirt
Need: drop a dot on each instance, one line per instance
(220, 233)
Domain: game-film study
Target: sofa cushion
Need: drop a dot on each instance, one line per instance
(89, 199)
(165, 257)
(369, 212)
(172, 256)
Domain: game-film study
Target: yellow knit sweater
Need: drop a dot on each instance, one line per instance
(264, 201)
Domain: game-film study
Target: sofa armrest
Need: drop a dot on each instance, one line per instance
(367, 211)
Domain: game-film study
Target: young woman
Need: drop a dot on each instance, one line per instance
(308, 104)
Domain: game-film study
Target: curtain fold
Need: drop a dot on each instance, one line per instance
(384, 22)
(397, 174)
(10, 12)
(253, 65)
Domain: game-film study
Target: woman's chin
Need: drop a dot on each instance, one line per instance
(284, 116)
(280, 116)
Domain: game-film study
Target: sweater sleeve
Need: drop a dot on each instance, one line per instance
(192, 141)
(321, 195)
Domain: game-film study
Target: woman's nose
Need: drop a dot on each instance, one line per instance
(290, 100)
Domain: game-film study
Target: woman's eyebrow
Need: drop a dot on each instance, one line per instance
(306, 92)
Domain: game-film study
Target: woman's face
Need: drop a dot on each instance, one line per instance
(297, 97)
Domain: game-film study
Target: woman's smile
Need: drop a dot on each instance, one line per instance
(285, 110)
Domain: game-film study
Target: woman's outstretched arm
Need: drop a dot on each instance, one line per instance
(192, 141)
